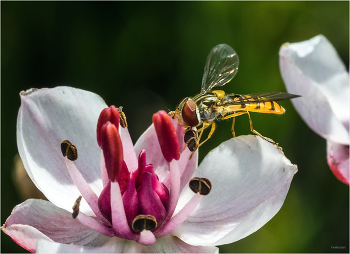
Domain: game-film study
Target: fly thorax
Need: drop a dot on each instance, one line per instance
(207, 109)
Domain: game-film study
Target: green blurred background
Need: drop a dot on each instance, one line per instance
(147, 56)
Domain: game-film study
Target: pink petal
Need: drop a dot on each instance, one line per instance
(146, 238)
(45, 119)
(189, 169)
(314, 70)
(25, 236)
(130, 157)
(250, 179)
(338, 160)
(119, 220)
(85, 190)
(38, 219)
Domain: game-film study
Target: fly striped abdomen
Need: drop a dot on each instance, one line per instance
(270, 107)
(254, 103)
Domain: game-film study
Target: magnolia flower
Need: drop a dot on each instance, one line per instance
(314, 70)
(150, 197)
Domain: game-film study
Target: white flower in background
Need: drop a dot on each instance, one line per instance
(314, 70)
(135, 198)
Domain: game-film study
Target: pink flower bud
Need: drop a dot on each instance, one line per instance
(150, 203)
(131, 200)
(104, 202)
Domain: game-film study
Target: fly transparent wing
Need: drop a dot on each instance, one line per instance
(236, 99)
(220, 68)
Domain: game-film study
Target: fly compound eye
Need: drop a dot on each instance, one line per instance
(69, 150)
(191, 140)
(189, 113)
(144, 222)
(200, 185)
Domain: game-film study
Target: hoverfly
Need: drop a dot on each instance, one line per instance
(207, 106)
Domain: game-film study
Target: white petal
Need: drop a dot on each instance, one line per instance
(171, 244)
(250, 178)
(51, 222)
(338, 160)
(46, 118)
(167, 244)
(314, 70)
(113, 245)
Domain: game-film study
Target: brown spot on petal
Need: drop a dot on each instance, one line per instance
(69, 150)
(76, 207)
(200, 185)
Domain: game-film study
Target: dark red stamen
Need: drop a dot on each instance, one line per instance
(110, 114)
(112, 150)
(166, 136)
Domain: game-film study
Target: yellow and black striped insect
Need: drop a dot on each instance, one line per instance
(207, 106)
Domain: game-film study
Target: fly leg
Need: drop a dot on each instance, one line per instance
(205, 125)
(233, 120)
(233, 127)
(202, 128)
(197, 138)
(261, 136)
(174, 114)
(210, 133)
(189, 128)
(251, 126)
